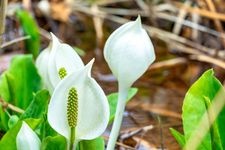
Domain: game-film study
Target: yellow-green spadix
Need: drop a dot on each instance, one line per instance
(56, 56)
(27, 139)
(92, 113)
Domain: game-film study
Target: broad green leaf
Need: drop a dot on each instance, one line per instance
(178, 136)
(24, 80)
(194, 106)
(30, 28)
(38, 107)
(17, 85)
(113, 99)
(54, 143)
(96, 144)
(8, 141)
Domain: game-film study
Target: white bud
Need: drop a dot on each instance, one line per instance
(129, 52)
(27, 139)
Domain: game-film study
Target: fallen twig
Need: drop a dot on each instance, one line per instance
(168, 63)
(217, 22)
(15, 41)
(181, 17)
(202, 12)
(208, 59)
(10, 106)
(159, 33)
(136, 131)
(120, 144)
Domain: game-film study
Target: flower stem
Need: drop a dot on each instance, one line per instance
(72, 138)
(118, 118)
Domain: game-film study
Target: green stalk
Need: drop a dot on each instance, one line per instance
(3, 5)
(72, 138)
(118, 118)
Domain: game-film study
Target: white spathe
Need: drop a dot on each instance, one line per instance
(93, 109)
(129, 52)
(57, 55)
(42, 66)
(27, 139)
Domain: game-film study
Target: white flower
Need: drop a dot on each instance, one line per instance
(129, 52)
(57, 56)
(27, 139)
(78, 102)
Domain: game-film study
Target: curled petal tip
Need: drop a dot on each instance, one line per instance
(138, 22)
(88, 67)
(92, 61)
(52, 35)
(54, 38)
(138, 18)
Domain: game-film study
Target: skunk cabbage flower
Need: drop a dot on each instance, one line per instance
(78, 108)
(128, 52)
(57, 58)
(27, 139)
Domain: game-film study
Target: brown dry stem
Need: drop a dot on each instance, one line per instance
(5, 105)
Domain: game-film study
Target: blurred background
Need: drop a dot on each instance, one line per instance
(188, 37)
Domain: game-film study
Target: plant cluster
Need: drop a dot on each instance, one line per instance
(56, 104)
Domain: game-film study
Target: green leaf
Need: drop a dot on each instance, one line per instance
(5, 92)
(113, 99)
(8, 142)
(178, 136)
(24, 80)
(194, 107)
(17, 85)
(38, 107)
(53, 143)
(3, 120)
(30, 28)
(46, 130)
(96, 144)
